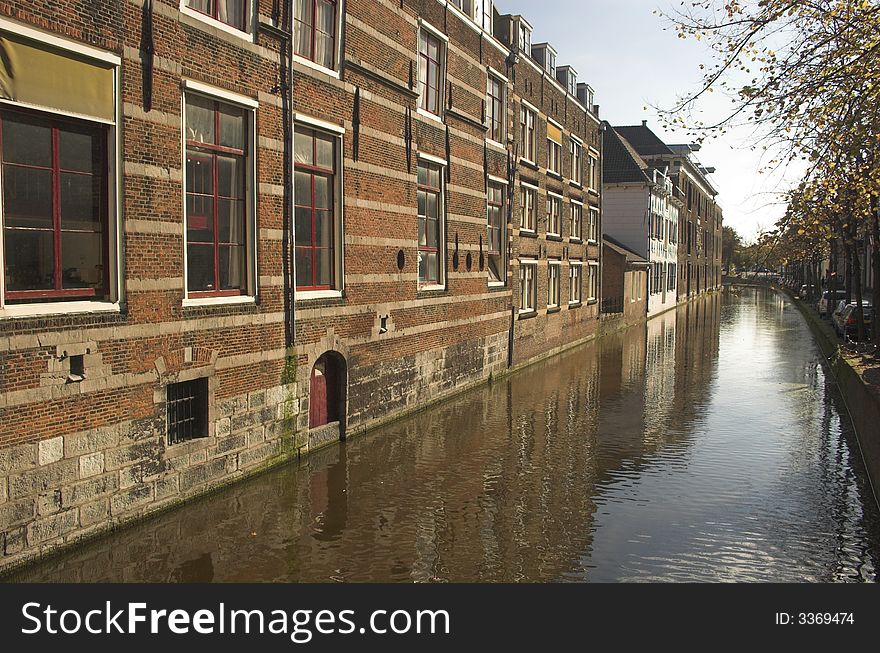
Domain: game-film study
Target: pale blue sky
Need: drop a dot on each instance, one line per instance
(620, 48)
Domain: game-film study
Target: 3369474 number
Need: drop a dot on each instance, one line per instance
(825, 618)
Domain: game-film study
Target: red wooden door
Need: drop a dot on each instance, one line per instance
(318, 399)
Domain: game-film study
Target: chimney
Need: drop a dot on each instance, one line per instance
(644, 123)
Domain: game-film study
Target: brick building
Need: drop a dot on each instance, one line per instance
(236, 230)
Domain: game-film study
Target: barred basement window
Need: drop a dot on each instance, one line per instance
(187, 404)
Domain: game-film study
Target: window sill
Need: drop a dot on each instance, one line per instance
(308, 63)
(575, 184)
(554, 237)
(57, 308)
(432, 289)
(573, 305)
(497, 284)
(592, 241)
(433, 117)
(491, 142)
(306, 295)
(591, 302)
(528, 233)
(527, 314)
(574, 240)
(554, 175)
(593, 191)
(529, 164)
(217, 24)
(219, 301)
(553, 309)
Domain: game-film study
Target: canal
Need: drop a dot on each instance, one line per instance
(709, 445)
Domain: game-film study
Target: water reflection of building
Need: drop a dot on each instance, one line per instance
(496, 485)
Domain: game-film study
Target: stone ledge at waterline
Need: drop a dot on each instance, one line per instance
(858, 387)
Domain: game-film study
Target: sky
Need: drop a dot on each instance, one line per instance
(621, 49)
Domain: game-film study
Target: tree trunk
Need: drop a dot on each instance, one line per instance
(875, 250)
(847, 271)
(857, 282)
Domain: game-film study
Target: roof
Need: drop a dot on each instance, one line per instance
(621, 162)
(643, 140)
(623, 250)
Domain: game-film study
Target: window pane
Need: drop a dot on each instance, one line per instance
(324, 50)
(231, 12)
(81, 260)
(232, 127)
(303, 189)
(200, 267)
(80, 150)
(29, 257)
(303, 28)
(26, 141)
(323, 195)
(231, 222)
(81, 200)
(27, 197)
(323, 229)
(422, 201)
(432, 232)
(432, 208)
(303, 226)
(304, 267)
(199, 218)
(423, 267)
(324, 147)
(200, 5)
(324, 267)
(232, 271)
(304, 147)
(199, 173)
(230, 176)
(200, 119)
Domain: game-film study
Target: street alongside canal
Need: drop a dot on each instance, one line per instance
(709, 445)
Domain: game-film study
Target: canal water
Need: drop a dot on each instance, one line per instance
(709, 445)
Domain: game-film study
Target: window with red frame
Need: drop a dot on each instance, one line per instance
(495, 106)
(216, 198)
(232, 12)
(496, 221)
(430, 224)
(55, 208)
(314, 197)
(314, 31)
(430, 72)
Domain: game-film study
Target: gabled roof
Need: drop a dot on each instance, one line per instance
(621, 162)
(644, 141)
(623, 250)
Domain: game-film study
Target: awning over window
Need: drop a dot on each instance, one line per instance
(37, 75)
(554, 133)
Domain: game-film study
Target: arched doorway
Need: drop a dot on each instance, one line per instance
(327, 386)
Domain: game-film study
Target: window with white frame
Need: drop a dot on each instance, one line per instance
(554, 148)
(235, 13)
(554, 215)
(528, 289)
(58, 212)
(528, 204)
(314, 31)
(488, 15)
(553, 269)
(593, 282)
(495, 223)
(317, 208)
(431, 54)
(577, 170)
(496, 109)
(524, 38)
(576, 221)
(219, 197)
(575, 281)
(527, 138)
(594, 173)
(430, 217)
(593, 230)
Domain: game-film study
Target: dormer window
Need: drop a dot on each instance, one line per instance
(488, 12)
(545, 55)
(523, 37)
(464, 6)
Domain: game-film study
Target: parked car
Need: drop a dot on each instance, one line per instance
(830, 300)
(845, 319)
(805, 291)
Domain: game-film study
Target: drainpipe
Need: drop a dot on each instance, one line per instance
(282, 29)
